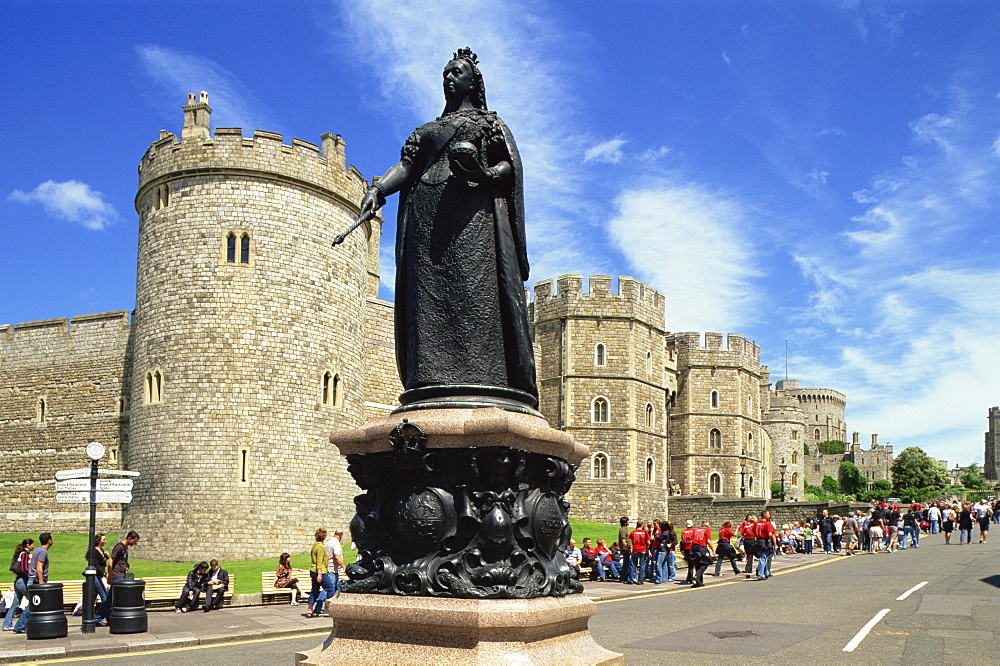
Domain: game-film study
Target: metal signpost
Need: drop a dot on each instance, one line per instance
(81, 486)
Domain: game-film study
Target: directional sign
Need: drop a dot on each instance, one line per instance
(102, 484)
(85, 473)
(103, 496)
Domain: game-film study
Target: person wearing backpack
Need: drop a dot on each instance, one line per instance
(19, 567)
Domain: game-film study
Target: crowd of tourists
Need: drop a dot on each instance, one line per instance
(647, 551)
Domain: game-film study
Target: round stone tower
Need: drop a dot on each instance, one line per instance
(247, 339)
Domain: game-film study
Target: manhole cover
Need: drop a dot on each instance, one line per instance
(734, 634)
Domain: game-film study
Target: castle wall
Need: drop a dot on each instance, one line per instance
(242, 341)
(719, 389)
(77, 368)
(824, 410)
(716, 510)
(382, 385)
(785, 423)
(991, 459)
(634, 373)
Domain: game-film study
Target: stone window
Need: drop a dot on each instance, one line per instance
(795, 435)
(816, 434)
(795, 478)
(243, 465)
(237, 247)
(152, 390)
(750, 486)
(42, 410)
(599, 410)
(650, 471)
(715, 438)
(649, 363)
(161, 197)
(749, 404)
(333, 390)
(795, 457)
(750, 443)
(121, 406)
(817, 468)
(715, 484)
(713, 400)
(649, 415)
(600, 355)
(600, 466)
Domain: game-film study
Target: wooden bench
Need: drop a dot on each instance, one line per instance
(160, 592)
(268, 589)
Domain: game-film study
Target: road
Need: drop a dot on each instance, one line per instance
(808, 614)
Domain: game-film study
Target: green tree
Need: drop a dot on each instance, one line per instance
(914, 471)
(830, 485)
(972, 479)
(832, 446)
(851, 479)
(775, 489)
(805, 449)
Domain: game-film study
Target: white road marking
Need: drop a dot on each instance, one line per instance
(860, 636)
(910, 591)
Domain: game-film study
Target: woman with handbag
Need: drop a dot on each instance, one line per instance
(19, 567)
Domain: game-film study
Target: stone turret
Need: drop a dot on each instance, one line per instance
(248, 340)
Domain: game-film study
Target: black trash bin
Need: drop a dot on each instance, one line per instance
(47, 618)
(128, 607)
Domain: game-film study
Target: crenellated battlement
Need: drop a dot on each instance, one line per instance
(264, 155)
(62, 330)
(633, 299)
(695, 348)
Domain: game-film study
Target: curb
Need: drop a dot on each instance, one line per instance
(140, 646)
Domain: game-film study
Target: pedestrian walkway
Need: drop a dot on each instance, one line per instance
(169, 629)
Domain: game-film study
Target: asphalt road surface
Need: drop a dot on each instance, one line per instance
(950, 613)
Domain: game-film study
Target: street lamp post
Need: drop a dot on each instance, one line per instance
(781, 468)
(95, 451)
(743, 474)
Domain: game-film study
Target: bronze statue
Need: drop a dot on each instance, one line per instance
(462, 335)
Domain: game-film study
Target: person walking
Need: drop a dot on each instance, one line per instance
(826, 529)
(725, 549)
(38, 572)
(687, 534)
(851, 531)
(668, 542)
(117, 568)
(949, 517)
(318, 559)
(701, 552)
(965, 524)
(911, 529)
(334, 564)
(99, 558)
(748, 538)
(766, 545)
(934, 517)
(20, 565)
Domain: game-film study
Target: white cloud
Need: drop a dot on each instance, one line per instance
(690, 243)
(726, 58)
(407, 46)
(72, 201)
(175, 74)
(818, 177)
(832, 131)
(609, 151)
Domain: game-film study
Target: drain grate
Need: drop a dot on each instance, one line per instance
(734, 634)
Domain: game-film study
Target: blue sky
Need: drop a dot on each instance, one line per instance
(821, 172)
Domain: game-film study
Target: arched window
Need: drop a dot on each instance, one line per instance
(157, 386)
(649, 415)
(714, 400)
(715, 439)
(328, 388)
(599, 412)
(750, 486)
(649, 470)
(338, 392)
(795, 457)
(245, 248)
(749, 404)
(600, 354)
(41, 410)
(795, 478)
(600, 466)
(816, 434)
(231, 248)
(750, 443)
(715, 484)
(152, 390)
(649, 363)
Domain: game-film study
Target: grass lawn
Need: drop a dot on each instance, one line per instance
(68, 550)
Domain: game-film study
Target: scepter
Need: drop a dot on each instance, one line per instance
(361, 218)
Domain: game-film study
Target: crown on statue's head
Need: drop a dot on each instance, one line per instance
(466, 54)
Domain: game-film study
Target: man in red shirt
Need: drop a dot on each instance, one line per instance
(766, 545)
(640, 543)
(701, 552)
(687, 534)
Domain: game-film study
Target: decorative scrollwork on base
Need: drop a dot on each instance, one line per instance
(476, 523)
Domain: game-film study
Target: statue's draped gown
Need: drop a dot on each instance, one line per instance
(461, 316)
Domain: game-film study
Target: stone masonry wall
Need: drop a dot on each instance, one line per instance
(238, 447)
(76, 367)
